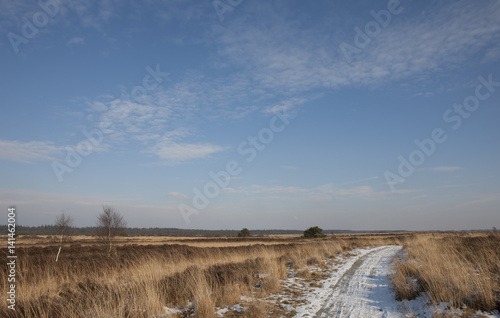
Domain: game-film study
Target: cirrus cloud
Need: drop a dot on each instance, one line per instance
(176, 152)
(28, 152)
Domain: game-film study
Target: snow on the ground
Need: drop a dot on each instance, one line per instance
(359, 288)
(171, 311)
(353, 284)
(222, 311)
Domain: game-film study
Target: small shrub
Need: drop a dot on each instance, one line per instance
(244, 233)
(314, 232)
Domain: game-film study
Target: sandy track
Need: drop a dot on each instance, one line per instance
(363, 290)
(360, 288)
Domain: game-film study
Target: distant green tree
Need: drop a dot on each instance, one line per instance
(314, 232)
(244, 233)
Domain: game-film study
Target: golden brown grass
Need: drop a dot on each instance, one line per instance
(461, 269)
(148, 273)
(257, 309)
(141, 279)
(197, 241)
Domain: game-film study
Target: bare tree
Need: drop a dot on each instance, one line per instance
(63, 224)
(110, 223)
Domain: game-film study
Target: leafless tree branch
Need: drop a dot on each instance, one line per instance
(63, 224)
(110, 223)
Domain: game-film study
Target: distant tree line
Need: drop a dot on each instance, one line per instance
(163, 231)
(135, 231)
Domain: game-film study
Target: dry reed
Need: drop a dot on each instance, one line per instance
(458, 269)
(140, 280)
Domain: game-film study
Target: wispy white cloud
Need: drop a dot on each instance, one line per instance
(11, 14)
(32, 151)
(422, 196)
(458, 185)
(174, 152)
(95, 14)
(360, 180)
(288, 106)
(159, 121)
(283, 65)
(291, 58)
(178, 195)
(289, 193)
(167, 115)
(364, 191)
(491, 55)
(259, 189)
(28, 152)
(480, 199)
(356, 191)
(42, 207)
(446, 168)
(325, 192)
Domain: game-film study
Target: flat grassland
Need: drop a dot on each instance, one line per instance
(147, 274)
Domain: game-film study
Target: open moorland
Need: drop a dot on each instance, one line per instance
(275, 276)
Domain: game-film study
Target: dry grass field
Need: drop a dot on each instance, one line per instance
(145, 274)
(197, 241)
(461, 270)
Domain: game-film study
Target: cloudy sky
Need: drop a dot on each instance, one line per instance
(237, 113)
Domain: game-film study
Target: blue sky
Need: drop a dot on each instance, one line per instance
(310, 113)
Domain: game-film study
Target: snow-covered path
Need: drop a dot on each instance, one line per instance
(359, 288)
(363, 291)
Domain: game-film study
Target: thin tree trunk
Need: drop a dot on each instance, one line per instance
(109, 250)
(109, 239)
(60, 247)
(57, 257)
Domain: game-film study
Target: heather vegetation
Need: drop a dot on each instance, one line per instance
(200, 275)
(140, 280)
(460, 270)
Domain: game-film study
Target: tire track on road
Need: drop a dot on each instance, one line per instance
(363, 290)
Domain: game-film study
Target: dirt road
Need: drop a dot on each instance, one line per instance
(360, 288)
(363, 290)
